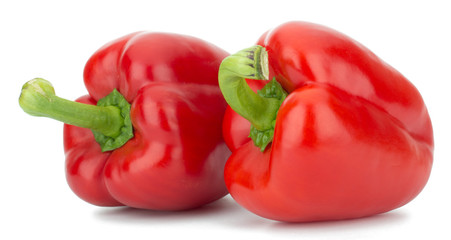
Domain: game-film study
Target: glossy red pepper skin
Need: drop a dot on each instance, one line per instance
(352, 139)
(176, 158)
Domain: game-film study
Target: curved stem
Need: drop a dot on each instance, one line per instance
(250, 63)
(38, 99)
(261, 108)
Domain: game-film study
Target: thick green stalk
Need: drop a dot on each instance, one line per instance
(38, 99)
(259, 109)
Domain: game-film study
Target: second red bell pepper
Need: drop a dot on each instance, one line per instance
(336, 134)
(156, 138)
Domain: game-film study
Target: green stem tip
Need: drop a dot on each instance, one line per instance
(260, 108)
(109, 120)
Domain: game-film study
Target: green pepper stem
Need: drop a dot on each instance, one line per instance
(260, 108)
(38, 99)
(250, 63)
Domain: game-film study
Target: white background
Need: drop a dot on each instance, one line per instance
(54, 39)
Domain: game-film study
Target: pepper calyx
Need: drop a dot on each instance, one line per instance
(108, 143)
(262, 138)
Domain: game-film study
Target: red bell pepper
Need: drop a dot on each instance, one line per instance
(156, 141)
(336, 134)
